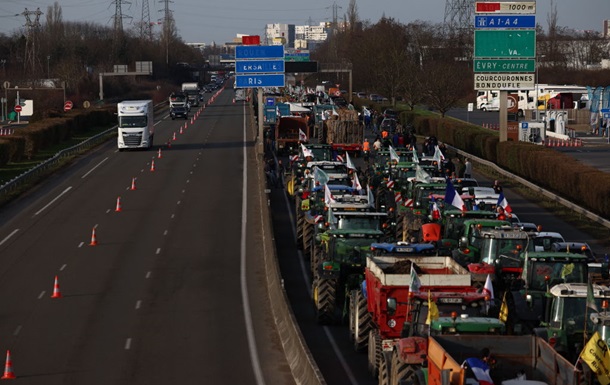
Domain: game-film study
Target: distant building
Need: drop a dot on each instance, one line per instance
(606, 31)
(309, 36)
(280, 34)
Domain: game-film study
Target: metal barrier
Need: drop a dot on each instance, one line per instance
(572, 206)
(39, 169)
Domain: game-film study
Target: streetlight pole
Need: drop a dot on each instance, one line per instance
(48, 67)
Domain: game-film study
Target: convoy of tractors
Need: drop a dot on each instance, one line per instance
(434, 285)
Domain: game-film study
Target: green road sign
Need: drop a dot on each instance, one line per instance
(511, 43)
(504, 65)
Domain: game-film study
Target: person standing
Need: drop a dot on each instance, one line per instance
(467, 168)
(497, 187)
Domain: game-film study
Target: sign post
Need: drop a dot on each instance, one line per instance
(505, 51)
(258, 66)
(67, 105)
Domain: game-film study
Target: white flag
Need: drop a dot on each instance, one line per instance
(350, 164)
(415, 157)
(306, 152)
(328, 196)
(335, 112)
(356, 182)
(370, 196)
(302, 136)
(488, 288)
(320, 176)
(438, 156)
(393, 155)
(421, 175)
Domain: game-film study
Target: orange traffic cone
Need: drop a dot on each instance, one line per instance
(174, 137)
(185, 126)
(181, 132)
(159, 154)
(152, 165)
(133, 184)
(56, 292)
(8, 368)
(93, 238)
(169, 144)
(233, 100)
(118, 208)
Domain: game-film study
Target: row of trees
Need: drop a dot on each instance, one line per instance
(73, 53)
(423, 62)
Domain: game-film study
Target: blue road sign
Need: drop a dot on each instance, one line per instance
(259, 66)
(270, 102)
(259, 52)
(505, 21)
(605, 110)
(259, 80)
(524, 125)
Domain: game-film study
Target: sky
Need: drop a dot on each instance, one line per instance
(208, 21)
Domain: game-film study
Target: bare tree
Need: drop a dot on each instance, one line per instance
(352, 15)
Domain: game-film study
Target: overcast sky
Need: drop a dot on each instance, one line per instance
(219, 21)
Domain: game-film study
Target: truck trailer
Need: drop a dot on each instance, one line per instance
(507, 360)
(136, 124)
(192, 92)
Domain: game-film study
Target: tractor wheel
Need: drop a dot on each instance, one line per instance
(325, 301)
(352, 314)
(362, 321)
(400, 370)
(315, 260)
(384, 370)
(307, 238)
(374, 352)
(300, 219)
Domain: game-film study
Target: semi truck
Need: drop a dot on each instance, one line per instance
(192, 92)
(136, 124)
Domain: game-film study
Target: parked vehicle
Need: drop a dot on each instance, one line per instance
(509, 360)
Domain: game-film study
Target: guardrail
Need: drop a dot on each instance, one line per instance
(572, 206)
(39, 169)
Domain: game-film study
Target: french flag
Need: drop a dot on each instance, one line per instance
(502, 202)
(453, 198)
(436, 214)
(480, 370)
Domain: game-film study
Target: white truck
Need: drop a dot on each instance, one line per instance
(136, 125)
(192, 92)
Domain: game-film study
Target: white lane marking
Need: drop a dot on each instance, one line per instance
(158, 251)
(165, 232)
(307, 283)
(300, 256)
(17, 330)
(94, 167)
(63, 267)
(256, 366)
(53, 201)
(183, 191)
(107, 211)
(42, 294)
(173, 216)
(138, 304)
(333, 343)
(9, 236)
(188, 181)
(148, 274)
(128, 344)
(81, 244)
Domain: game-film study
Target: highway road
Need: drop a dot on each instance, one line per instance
(330, 345)
(173, 291)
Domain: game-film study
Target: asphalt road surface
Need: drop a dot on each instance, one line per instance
(173, 292)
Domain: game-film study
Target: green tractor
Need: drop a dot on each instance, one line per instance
(342, 260)
(527, 297)
(566, 321)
